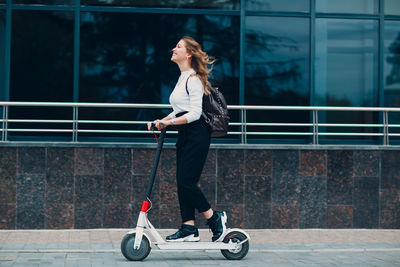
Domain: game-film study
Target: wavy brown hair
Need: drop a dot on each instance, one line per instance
(200, 62)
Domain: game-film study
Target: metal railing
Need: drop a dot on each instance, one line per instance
(381, 129)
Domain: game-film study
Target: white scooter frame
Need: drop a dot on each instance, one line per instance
(136, 245)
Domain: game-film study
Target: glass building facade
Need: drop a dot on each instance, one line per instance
(270, 52)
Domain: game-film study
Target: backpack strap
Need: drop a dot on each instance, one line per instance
(187, 80)
(202, 113)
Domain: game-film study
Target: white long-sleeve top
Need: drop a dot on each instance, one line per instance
(181, 101)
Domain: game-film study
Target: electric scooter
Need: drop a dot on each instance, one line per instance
(136, 245)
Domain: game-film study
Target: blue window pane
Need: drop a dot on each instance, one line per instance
(346, 63)
(3, 92)
(131, 64)
(392, 7)
(221, 4)
(42, 56)
(392, 63)
(277, 67)
(278, 5)
(348, 6)
(346, 70)
(42, 51)
(391, 70)
(44, 2)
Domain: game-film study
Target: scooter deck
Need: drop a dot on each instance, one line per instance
(195, 245)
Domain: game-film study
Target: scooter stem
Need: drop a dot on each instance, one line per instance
(155, 165)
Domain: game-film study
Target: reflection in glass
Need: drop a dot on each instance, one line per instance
(131, 64)
(41, 62)
(391, 70)
(3, 92)
(226, 4)
(392, 7)
(42, 56)
(346, 68)
(392, 63)
(44, 2)
(278, 5)
(277, 66)
(348, 6)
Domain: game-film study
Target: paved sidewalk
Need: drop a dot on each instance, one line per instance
(101, 247)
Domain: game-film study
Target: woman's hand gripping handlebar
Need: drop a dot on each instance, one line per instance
(157, 124)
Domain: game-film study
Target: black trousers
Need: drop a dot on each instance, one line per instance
(191, 153)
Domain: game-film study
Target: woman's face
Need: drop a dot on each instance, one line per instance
(179, 53)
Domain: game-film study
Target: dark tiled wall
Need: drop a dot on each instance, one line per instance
(85, 187)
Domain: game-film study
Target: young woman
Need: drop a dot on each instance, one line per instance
(193, 139)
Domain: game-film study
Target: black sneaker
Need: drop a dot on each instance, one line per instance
(186, 233)
(217, 225)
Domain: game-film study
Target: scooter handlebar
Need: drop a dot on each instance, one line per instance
(153, 126)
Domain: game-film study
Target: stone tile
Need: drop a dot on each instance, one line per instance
(258, 162)
(340, 190)
(30, 201)
(208, 185)
(391, 169)
(7, 215)
(117, 215)
(312, 202)
(59, 216)
(168, 193)
(167, 165)
(313, 163)
(8, 172)
(142, 161)
(366, 202)
(30, 216)
(366, 163)
(60, 175)
(339, 216)
(284, 217)
(258, 190)
(340, 177)
(313, 191)
(88, 215)
(59, 189)
(230, 185)
(169, 216)
(31, 160)
(257, 215)
(340, 163)
(230, 177)
(312, 216)
(60, 161)
(389, 210)
(286, 190)
(117, 175)
(89, 161)
(285, 164)
(89, 189)
(210, 166)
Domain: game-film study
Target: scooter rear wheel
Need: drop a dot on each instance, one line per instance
(132, 254)
(241, 251)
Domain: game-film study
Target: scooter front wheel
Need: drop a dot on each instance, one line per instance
(132, 254)
(238, 253)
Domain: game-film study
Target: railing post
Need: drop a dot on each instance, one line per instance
(243, 127)
(75, 124)
(5, 124)
(315, 127)
(385, 128)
